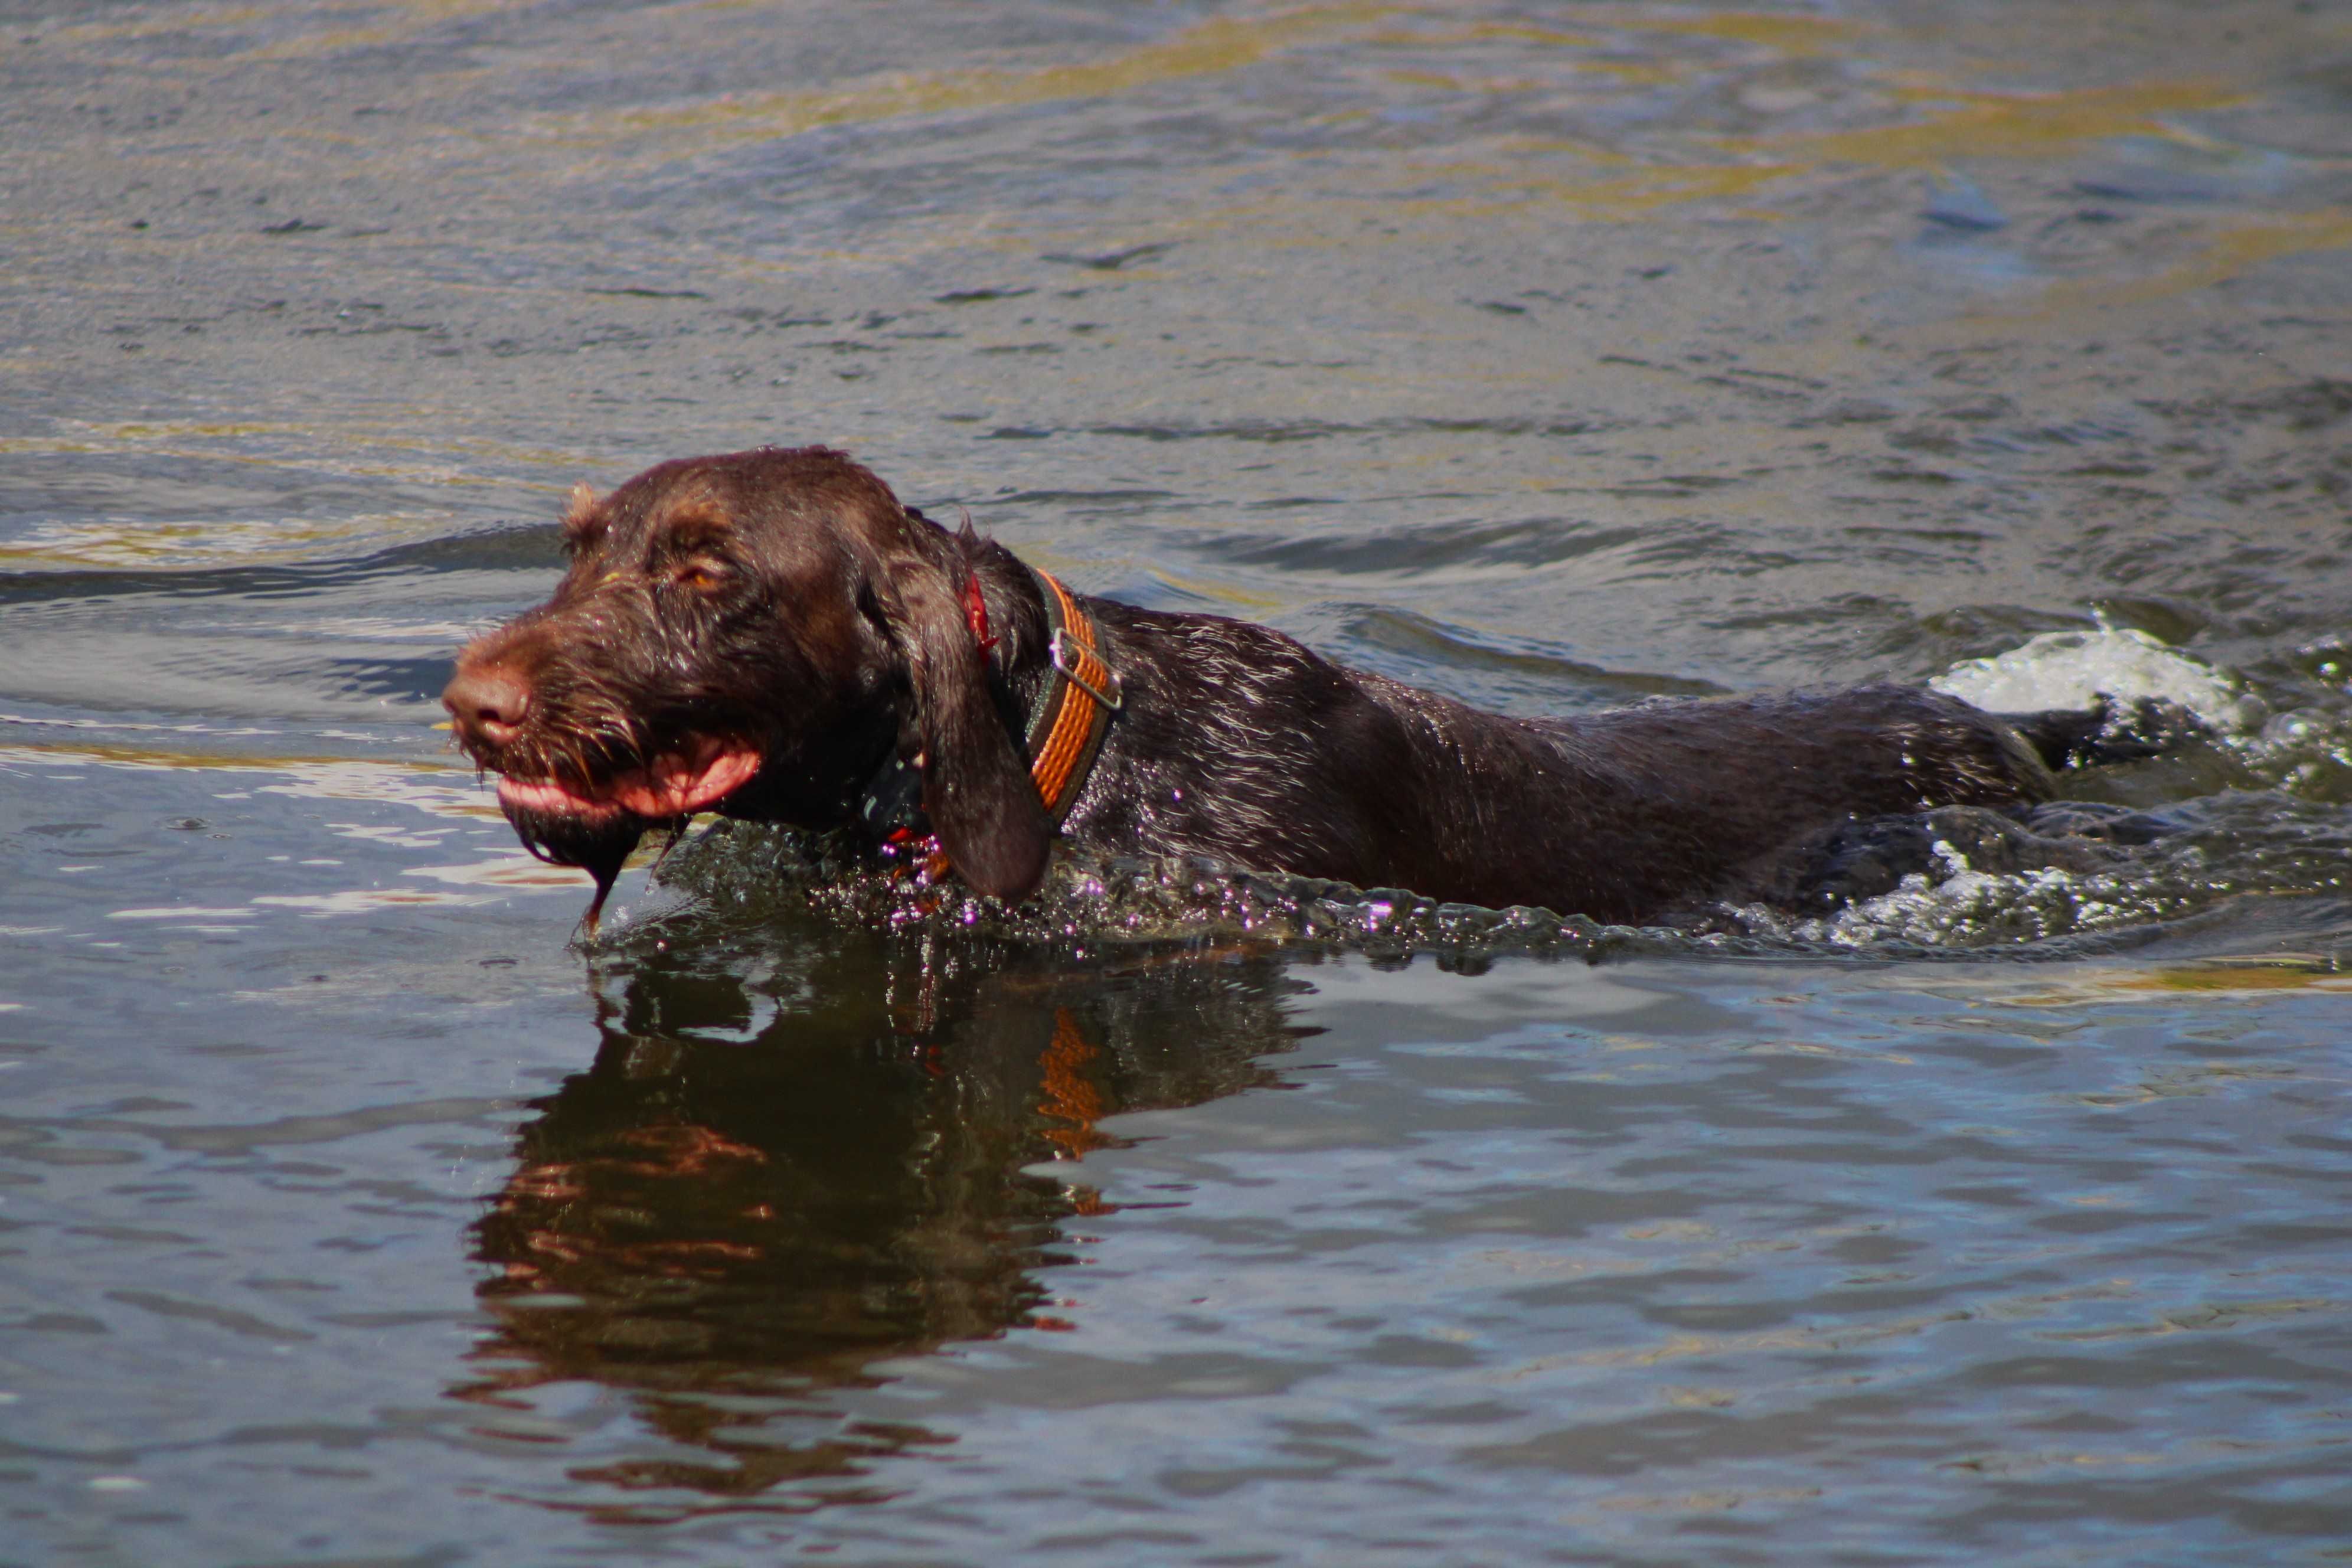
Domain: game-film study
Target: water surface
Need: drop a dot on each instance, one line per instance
(1550, 356)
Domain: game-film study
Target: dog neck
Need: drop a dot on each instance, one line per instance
(1076, 696)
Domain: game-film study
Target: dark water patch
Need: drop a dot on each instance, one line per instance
(1675, 485)
(1433, 547)
(1849, 411)
(226, 675)
(2167, 169)
(1771, 386)
(352, 634)
(1084, 503)
(536, 547)
(1114, 260)
(1505, 426)
(1820, 621)
(1909, 474)
(2314, 404)
(1959, 204)
(1957, 534)
(1677, 547)
(502, 547)
(124, 491)
(1266, 432)
(1294, 503)
(415, 683)
(1539, 677)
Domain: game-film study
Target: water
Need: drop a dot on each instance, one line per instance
(1548, 356)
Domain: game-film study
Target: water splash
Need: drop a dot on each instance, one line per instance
(2060, 886)
(741, 870)
(2075, 669)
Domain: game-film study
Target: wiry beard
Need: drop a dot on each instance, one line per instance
(597, 843)
(592, 816)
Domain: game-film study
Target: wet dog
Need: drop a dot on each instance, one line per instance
(774, 636)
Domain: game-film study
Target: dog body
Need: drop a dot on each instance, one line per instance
(1241, 745)
(769, 633)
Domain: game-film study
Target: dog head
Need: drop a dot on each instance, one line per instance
(753, 633)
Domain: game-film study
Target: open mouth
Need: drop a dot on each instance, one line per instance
(594, 826)
(674, 784)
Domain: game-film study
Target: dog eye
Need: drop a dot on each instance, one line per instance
(702, 576)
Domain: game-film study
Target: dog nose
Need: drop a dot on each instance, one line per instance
(486, 704)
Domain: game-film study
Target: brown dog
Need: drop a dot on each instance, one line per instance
(773, 636)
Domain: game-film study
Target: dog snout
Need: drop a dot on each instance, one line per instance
(487, 704)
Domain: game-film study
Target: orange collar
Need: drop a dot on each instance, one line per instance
(1065, 725)
(1074, 707)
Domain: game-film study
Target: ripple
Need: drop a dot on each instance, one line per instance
(1994, 888)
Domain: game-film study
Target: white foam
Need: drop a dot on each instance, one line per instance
(2074, 669)
(1956, 905)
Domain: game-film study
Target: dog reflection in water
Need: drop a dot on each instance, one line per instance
(716, 1208)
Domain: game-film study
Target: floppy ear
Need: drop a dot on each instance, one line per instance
(976, 788)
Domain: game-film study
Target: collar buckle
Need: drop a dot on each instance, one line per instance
(1070, 657)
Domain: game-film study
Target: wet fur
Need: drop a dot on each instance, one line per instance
(786, 598)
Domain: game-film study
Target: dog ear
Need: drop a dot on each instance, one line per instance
(976, 788)
(579, 506)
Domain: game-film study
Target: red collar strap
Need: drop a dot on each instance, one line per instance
(975, 613)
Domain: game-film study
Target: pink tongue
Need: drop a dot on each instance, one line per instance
(673, 786)
(551, 799)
